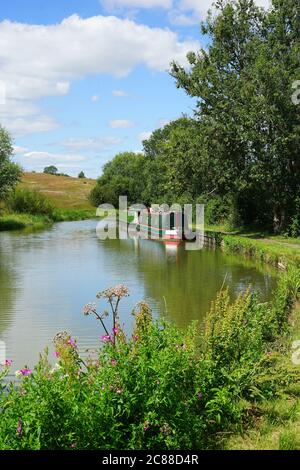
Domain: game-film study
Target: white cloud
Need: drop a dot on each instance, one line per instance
(182, 12)
(91, 144)
(53, 157)
(42, 60)
(189, 12)
(22, 126)
(120, 93)
(144, 136)
(120, 124)
(95, 98)
(20, 150)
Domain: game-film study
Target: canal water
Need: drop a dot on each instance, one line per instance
(47, 277)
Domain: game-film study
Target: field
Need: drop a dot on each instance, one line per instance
(65, 192)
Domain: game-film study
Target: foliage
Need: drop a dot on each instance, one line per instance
(9, 172)
(30, 202)
(243, 84)
(51, 170)
(242, 145)
(81, 175)
(161, 388)
(122, 176)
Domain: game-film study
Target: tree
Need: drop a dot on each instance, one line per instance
(243, 83)
(81, 175)
(9, 172)
(122, 176)
(177, 165)
(51, 170)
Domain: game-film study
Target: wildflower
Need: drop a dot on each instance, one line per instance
(135, 337)
(7, 363)
(23, 372)
(114, 293)
(119, 391)
(200, 396)
(55, 368)
(71, 342)
(146, 426)
(19, 428)
(56, 354)
(166, 429)
(115, 330)
(113, 362)
(105, 338)
(89, 308)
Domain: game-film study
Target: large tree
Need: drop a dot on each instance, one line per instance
(122, 176)
(9, 171)
(243, 82)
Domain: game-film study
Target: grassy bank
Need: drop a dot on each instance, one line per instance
(66, 197)
(279, 254)
(275, 250)
(64, 192)
(16, 221)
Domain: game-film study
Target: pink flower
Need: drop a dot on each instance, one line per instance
(56, 354)
(105, 338)
(115, 330)
(19, 428)
(113, 362)
(8, 362)
(23, 372)
(72, 343)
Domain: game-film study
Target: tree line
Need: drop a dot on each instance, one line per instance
(239, 152)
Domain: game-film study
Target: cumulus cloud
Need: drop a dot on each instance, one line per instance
(182, 12)
(49, 157)
(95, 98)
(144, 136)
(42, 60)
(91, 144)
(120, 93)
(120, 124)
(20, 150)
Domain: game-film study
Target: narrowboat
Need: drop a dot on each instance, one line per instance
(170, 226)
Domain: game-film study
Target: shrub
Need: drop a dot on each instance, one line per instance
(30, 202)
(161, 388)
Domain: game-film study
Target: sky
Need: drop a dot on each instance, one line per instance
(81, 80)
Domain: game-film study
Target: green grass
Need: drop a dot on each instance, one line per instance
(23, 221)
(15, 221)
(274, 424)
(279, 255)
(68, 196)
(64, 192)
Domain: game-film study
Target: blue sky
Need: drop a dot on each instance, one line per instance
(81, 80)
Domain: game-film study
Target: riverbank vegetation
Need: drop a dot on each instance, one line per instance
(239, 153)
(161, 388)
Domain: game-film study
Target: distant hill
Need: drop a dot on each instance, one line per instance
(65, 192)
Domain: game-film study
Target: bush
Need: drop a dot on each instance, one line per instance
(162, 388)
(30, 202)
